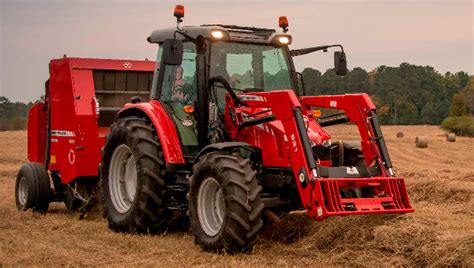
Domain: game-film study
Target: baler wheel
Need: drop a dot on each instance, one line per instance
(225, 206)
(33, 188)
(132, 187)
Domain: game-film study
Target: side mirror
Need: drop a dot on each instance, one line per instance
(172, 52)
(340, 63)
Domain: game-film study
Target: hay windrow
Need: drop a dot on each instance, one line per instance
(438, 192)
(387, 240)
(289, 229)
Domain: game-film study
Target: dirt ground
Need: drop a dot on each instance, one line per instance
(440, 181)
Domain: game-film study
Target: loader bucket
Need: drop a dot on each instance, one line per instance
(382, 195)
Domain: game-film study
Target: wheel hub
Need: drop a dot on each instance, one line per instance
(210, 206)
(23, 191)
(123, 178)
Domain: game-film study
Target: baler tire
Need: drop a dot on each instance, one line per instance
(242, 219)
(33, 188)
(148, 212)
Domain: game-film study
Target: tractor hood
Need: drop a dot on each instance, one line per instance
(316, 134)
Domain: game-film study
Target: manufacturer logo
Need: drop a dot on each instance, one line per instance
(127, 65)
(71, 157)
(293, 142)
(301, 177)
(352, 171)
(252, 98)
(62, 133)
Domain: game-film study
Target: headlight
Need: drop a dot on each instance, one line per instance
(217, 34)
(281, 40)
(284, 40)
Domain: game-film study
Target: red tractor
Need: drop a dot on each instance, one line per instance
(224, 133)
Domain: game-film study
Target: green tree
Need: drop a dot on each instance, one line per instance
(312, 81)
(357, 81)
(428, 114)
(468, 94)
(332, 84)
(458, 106)
(407, 94)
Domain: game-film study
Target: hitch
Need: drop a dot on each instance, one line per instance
(86, 203)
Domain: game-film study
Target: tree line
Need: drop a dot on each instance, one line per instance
(13, 115)
(406, 95)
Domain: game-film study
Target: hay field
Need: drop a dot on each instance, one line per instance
(440, 181)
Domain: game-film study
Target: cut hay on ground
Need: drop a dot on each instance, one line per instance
(440, 182)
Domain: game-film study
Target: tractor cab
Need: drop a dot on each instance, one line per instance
(249, 59)
(197, 63)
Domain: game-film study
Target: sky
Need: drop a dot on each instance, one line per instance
(373, 32)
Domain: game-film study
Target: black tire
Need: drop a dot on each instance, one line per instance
(148, 211)
(33, 188)
(243, 207)
(71, 203)
(354, 157)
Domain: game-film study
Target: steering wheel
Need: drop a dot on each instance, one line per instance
(219, 79)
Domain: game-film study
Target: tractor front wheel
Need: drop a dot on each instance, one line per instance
(132, 184)
(225, 206)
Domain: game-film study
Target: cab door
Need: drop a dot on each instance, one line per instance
(179, 91)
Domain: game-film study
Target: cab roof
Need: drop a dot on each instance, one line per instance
(234, 32)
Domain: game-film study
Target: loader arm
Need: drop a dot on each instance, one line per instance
(321, 196)
(361, 111)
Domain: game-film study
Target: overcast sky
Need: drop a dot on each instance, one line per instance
(374, 32)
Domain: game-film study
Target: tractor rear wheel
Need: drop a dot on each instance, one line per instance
(33, 188)
(225, 206)
(132, 183)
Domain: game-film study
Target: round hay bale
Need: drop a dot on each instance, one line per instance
(400, 134)
(451, 137)
(421, 142)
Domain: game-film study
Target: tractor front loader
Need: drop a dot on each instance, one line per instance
(327, 190)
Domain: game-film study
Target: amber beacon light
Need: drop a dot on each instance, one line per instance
(179, 12)
(283, 23)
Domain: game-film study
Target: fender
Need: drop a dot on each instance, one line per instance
(245, 149)
(165, 128)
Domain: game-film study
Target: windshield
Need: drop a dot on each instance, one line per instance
(251, 67)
